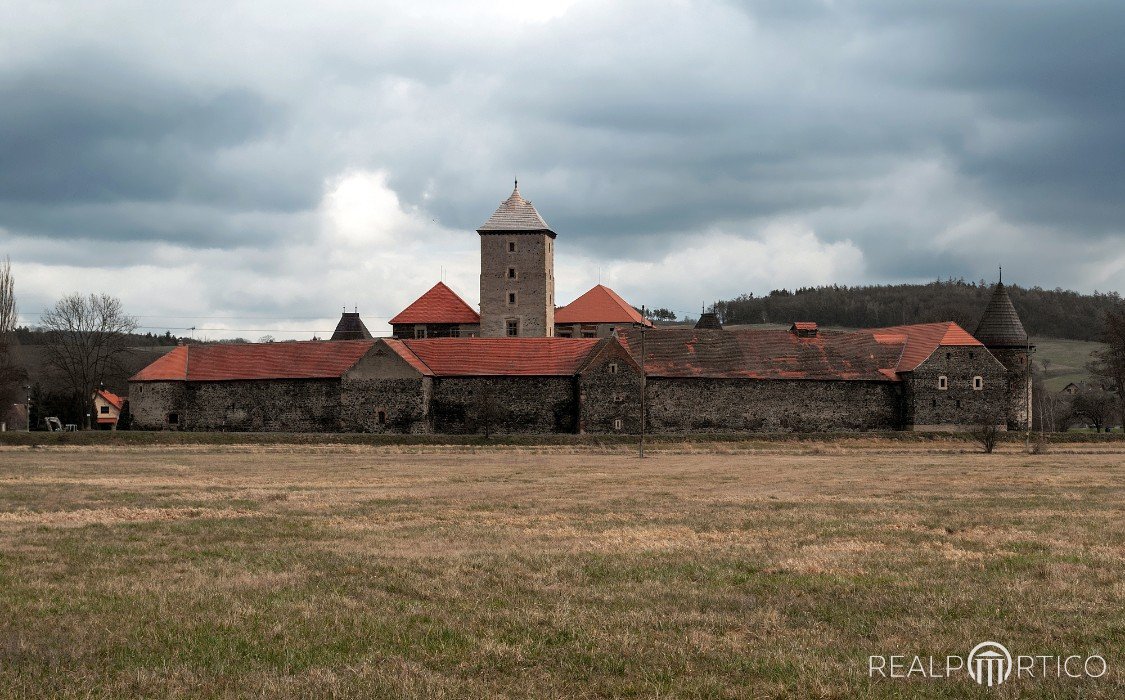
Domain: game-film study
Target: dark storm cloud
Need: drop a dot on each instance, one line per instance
(96, 149)
(635, 127)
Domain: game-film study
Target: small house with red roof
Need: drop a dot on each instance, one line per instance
(108, 407)
(439, 313)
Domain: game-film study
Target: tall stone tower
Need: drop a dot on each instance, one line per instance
(517, 272)
(1002, 332)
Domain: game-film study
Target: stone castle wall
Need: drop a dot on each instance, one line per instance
(504, 405)
(679, 405)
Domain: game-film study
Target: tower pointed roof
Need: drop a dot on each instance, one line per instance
(351, 327)
(1000, 325)
(515, 214)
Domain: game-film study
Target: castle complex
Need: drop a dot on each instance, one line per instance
(522, 365)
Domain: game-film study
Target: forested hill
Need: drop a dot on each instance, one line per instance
(1056, 313)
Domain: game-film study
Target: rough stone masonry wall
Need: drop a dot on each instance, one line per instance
(403, 402)
(534, 284)
(504, 404)
(283, 405)
(151, 402)
(959, 405)
(607, 396)
(691, 404)
(1018, 400)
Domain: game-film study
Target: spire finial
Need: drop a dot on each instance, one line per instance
(1001, 274)
(516, 185)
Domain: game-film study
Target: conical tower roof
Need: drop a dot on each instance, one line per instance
(1000, 325)
(709, 320)
(515, 214)
(351, 327)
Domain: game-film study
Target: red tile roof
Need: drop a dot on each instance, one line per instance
(113, 399)
(599, 305)
(460, 357)
(765, 354)
(298, 360)
(923, 338)
(803, 326)
(439, 305)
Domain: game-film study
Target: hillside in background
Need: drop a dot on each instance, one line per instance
(1055, 313)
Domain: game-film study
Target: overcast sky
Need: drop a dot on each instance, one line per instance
(257, 166)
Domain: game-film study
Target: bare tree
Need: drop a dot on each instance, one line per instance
(1096, 406)
(85, 338)
(1109, 363)
(10, 372)
(986, 428)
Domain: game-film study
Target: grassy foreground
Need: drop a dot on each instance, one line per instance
(568, 572)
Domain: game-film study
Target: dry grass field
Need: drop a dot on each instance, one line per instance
(359, 571)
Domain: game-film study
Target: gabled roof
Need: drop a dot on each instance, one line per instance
(112, 398)
(515, 214)
(438, 305)
(351, 327)
(312, 359)
(599, 305)
(462, 357)
(771, 353)
(921, 339)
(1000, 326)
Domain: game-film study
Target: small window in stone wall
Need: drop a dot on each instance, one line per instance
(942, 383)
(512, 327)
(958, 403)
(978, 383)
(933, 403)
(511, 273)
(381, 416)
(617, 424)
(612, 368)
(511, 298)
(949, 356)
(511, 246)
(173, 418)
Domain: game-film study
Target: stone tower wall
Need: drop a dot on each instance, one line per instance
(534, 284)
(1019, 394)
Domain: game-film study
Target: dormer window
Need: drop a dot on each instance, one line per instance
(804, 329)
(942, 383)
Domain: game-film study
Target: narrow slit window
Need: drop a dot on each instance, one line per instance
(511, 298)
(617, 424)
(942, 383)
(511, 246)
(511, 273)
(613, 368)
(978, 383)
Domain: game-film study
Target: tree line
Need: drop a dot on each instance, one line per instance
(1056, 313)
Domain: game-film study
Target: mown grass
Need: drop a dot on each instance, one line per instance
(364, 572)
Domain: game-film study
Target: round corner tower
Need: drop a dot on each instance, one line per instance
(1002, 332)
(517, 272)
